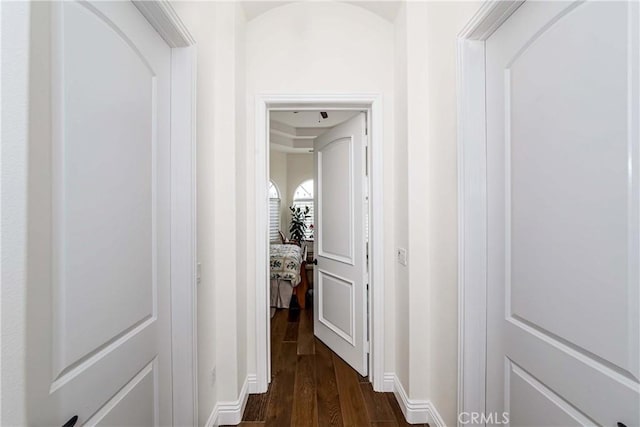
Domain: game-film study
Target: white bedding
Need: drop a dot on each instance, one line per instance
(281, 291)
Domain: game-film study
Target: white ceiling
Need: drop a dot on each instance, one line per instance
(311, 119)
(383, 8)
(294, 132)
(255, 8)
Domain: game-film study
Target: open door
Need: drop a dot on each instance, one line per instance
(340, 303)
(99, 331)
(563, 326)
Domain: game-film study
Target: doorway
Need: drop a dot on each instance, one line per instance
(318, 163)
(372, 108)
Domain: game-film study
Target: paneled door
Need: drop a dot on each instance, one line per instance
(340, 300)
(99, 343)
(563, 110)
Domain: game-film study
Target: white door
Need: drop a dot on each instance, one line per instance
(563, 111)
(98, 304)
(340, 302)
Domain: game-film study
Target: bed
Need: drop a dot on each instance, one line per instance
(287, 274)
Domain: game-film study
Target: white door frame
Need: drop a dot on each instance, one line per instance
(372, 103)
(184, 362)
(472, 202)
(166, 22)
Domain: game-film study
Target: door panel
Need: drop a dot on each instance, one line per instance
(335, 217)
(535, 405)
(99, 326)
(340, 304)
(101, 192)
(337, 305)
(132, 405)
(569, 227)
(562, 135)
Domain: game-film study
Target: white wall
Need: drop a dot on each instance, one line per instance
(427, 306)
(444, 20)
(400, 199)
(16, 27)
(321, 47)
(206, 322)
(242, 149)
(293, 49)
(221, 151)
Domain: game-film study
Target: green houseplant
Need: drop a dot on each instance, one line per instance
(298, 227)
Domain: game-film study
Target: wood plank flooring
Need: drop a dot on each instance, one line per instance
(312, 386)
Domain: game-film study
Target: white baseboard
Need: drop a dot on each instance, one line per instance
(388, 380)
(252, 381)
(415, 411)
(212, 421)
(230, 413)
(433, 416)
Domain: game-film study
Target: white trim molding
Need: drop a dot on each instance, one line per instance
(166, 22)
(164, 19)
(434, 419)
(373, 104)
(230, 413)
(389, 380)
(472, 202)
(415, 411)
(252, 382)
(183, 236)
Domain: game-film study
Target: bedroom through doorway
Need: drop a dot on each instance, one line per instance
(318, 234)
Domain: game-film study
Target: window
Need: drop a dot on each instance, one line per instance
(274, 213)
(303, 196)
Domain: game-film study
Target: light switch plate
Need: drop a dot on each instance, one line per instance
(402, 256)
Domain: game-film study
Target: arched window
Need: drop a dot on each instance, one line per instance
(274, 212)
(303, 196)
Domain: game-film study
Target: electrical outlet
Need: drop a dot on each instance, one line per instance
(402, 256)
(213, 376)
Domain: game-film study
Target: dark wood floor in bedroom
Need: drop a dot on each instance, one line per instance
(312, 386)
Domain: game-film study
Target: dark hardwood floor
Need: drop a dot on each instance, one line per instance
(312, 386)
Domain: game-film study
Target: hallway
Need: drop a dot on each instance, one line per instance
(312, 386)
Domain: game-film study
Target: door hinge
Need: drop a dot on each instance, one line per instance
(368, 346)
(366, 162)
(366, 123)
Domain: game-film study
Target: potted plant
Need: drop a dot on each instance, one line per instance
(298, 226)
